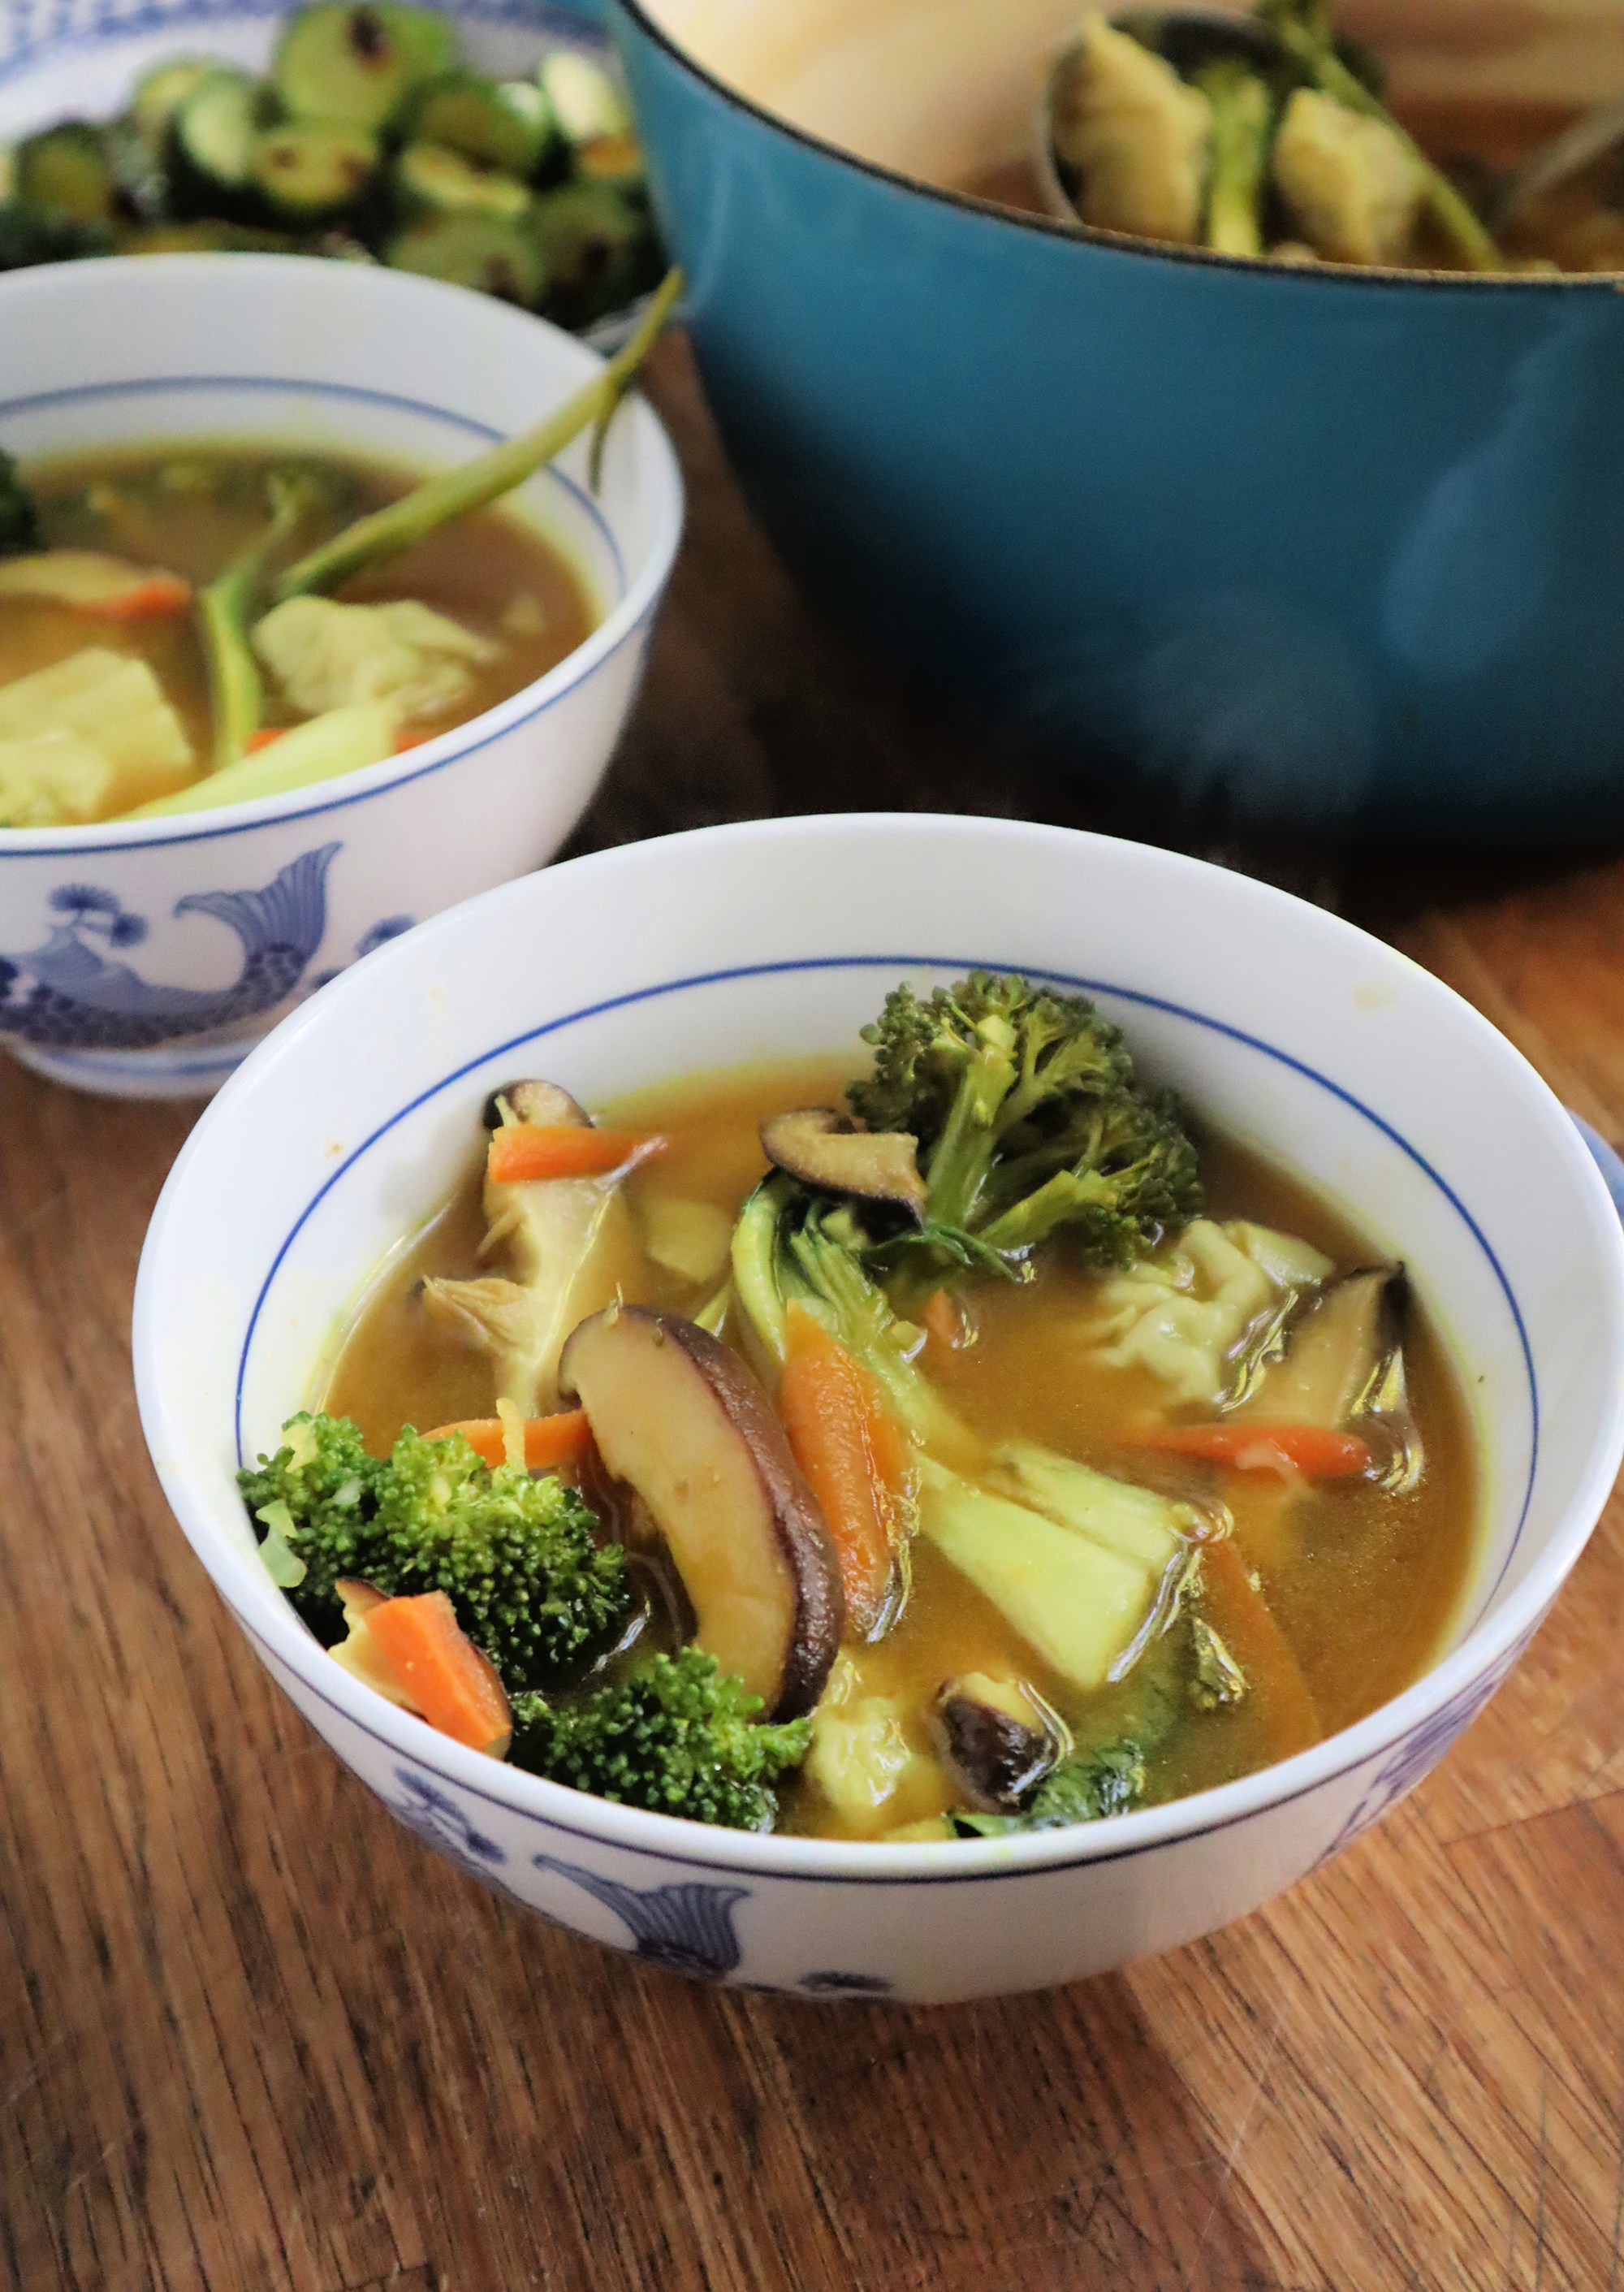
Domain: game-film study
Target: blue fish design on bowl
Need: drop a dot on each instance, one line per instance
(67, 995)
(687, 1928)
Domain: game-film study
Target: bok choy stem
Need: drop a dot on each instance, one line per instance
(226, 612)
(472, 484)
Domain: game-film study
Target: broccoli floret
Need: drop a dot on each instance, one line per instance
(1028, 1116)
(18, 519)
(1243, 128)
(517, 1557)
(1095, 1783)
(678, 1738)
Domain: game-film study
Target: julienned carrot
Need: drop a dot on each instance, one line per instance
(1253, 1446)
(441, 1671)
(262, 738)
(944, 1320)
(156, 599)
(522, 1150)
(1244, 1621)
(560, 1438)
(847, 1443)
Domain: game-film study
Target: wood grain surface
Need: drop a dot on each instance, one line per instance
(254, 2037)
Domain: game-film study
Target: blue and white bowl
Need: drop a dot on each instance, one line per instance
(144, 959)
(1291, 1030)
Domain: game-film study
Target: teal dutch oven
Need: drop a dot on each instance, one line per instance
(1329, 549)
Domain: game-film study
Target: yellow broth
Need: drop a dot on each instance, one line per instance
(191, 509)
(1364, 1583)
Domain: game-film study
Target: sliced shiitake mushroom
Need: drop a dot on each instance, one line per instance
(1343, 1368)
(996, 1739)
(681, 1418)
(820, 1146)
(530, 1101)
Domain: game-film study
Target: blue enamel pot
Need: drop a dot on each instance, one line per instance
(1340, 551)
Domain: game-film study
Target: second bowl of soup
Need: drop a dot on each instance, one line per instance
(449, 710)
(843, 1453)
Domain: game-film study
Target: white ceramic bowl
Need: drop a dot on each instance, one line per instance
(1289, 1028)
(143, 959)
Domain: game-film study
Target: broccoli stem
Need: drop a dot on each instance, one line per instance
(963, 1155)
(1243, 128)
(1304, 35)
(484, 479)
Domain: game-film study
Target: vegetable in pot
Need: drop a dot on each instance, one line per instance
(1352, 185)
(1242, 107)
(1135, 135)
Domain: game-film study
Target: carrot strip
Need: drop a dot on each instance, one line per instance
(854, 1457)
(1244, 1621)
(441, 1670)
(944, 1321)
(1251, 1446)
(264, 737)
(156, 599)
(561, 1439)
(522, 1150)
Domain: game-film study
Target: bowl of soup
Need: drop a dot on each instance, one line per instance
(1330, 546)
(433, 726)
(886, 1407)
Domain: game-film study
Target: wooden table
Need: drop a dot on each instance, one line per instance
(254, 2037)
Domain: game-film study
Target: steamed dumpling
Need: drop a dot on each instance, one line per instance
(1138, 137)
